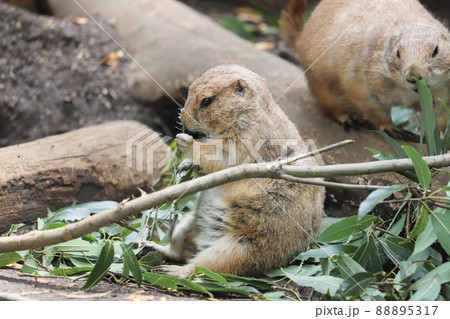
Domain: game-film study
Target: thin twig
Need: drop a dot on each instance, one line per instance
(422, 199)
(319, 182)
(313, 153)
(437, 204)
(396, 262)
(387, 232)
(121, 224)
(385, 283)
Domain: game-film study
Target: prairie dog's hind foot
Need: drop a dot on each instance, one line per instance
(401, 134)
(173, 270)
(166, 250)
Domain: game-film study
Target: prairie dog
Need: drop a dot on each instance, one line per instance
(362, 56)
(250, 226)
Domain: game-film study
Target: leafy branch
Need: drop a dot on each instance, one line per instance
(36, 239)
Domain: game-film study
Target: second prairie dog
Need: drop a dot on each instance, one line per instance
(361, 55)
(250, 226)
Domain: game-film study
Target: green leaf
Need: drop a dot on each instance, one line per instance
(435, 257)
(9, 258)
(429, 127)
(301, 270)
(274, 295)
(425, 238)
(380, 156)
(420, 167)
(327, 265)
(236, 26)
(79, 211)
(347, 266)
(213, 287)
(420, 224)
(31, 267)
(328, 221)
(131, 262)
(14, 228)
(214, 276)
(401, 115)
(327, 251)
(429, 286)
(346, 227)
(171, 282)
(70, 271)
(98, 206)
(410, 269)
(356, 284)
(377, 196)
(81, 262)
(322, 284)
(397, 228)
(440, 275)
(407, 271)
(394, 144)
(440, 219)
(368, 257)
(70, 214)
(101, 266)
(428, 292)
(255, 282)
(446, 141)
(150, 260)
(446, 291)
(79, 248)
(400, 247)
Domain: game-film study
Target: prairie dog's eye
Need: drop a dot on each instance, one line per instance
(435, 52)
(398, 53)
(240, 88)
(206, 101)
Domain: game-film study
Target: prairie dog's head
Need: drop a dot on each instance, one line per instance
(224, 101)
(422, 52)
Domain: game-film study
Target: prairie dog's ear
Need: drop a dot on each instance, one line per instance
(241, 87)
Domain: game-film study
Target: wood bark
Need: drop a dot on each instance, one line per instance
(83, 165)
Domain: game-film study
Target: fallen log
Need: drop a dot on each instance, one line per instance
(83, 165)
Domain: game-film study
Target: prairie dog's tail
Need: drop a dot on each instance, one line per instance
(292, 19)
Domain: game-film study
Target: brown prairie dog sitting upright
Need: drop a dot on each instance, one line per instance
(250, 226)
(361, 56)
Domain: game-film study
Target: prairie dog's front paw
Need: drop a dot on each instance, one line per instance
(184, 142)
(185, 165)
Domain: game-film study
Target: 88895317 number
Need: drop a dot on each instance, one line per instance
(406, 310)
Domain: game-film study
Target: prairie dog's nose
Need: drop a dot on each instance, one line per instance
(414, 72)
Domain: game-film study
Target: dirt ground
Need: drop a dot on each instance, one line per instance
(13, 286)
(52, 79)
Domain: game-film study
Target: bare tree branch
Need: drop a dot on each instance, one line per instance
(36, 239)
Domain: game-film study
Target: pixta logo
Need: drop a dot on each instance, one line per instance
(148, 152)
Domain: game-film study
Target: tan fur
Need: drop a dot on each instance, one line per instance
(251, 226)
(350, 50)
